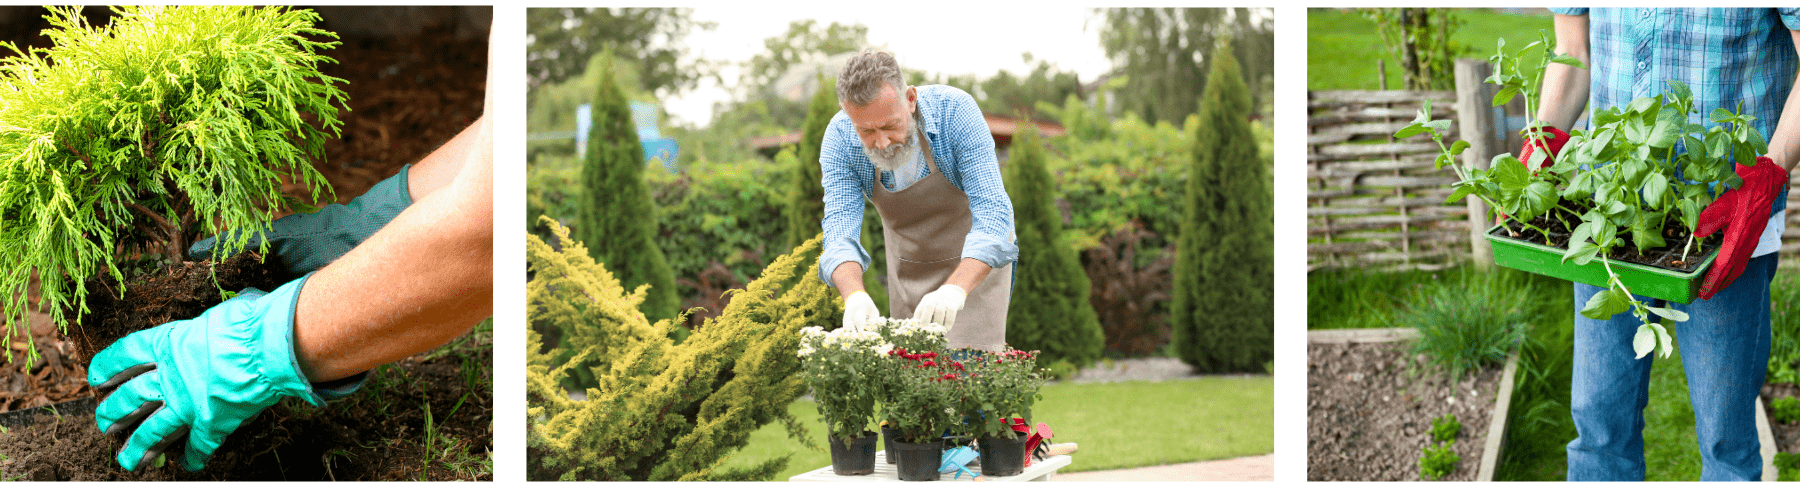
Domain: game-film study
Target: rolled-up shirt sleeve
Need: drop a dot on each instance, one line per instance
(990, 239)
(844, 196)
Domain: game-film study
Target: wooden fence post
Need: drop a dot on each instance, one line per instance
(1476, 124)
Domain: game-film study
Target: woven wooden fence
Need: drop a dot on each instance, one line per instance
(1373, 201)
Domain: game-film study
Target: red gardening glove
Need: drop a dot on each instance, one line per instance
(1552, 142)
(1743, 212)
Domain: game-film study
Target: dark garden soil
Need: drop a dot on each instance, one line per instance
(428, 417)
(1670, 257)
(1787, 436)
(1370, 407)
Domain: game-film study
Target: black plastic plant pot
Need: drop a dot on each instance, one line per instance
(919, 462)
(1003, 456)
(856, 459)
(1650, 281)
(888, 434)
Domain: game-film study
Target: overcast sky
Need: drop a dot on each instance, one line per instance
(978, 40)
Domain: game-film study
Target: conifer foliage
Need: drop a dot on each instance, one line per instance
(139, 136)
(618, 216)
(661, 411)
(1223, 315)
(1050, 311)
(806, 199)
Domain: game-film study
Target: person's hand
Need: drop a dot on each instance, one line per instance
(1552, 145)
(1743, 212)
(307, 242)
(200, 379)
(940, 306)
(859, 310)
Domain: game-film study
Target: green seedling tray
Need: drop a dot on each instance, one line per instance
(1643, 280)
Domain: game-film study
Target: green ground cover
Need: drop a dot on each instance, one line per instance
(1118, 425)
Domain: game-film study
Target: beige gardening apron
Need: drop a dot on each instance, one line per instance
(925, 225)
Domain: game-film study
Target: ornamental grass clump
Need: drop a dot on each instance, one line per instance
(1631, 186)
(1471, 323)
(842, 368)
(135, 138)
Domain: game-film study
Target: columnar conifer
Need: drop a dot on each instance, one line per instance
(1050, 311)
(1222, 316)
(618, 218)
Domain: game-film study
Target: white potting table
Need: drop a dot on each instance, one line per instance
(1037, 471)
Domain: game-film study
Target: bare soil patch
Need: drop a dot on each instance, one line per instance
(1370, 407)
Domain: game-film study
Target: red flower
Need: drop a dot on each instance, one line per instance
(957, 365)
(929, 364)
(929, 355)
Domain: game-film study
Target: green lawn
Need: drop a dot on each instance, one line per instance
(1118, 425)
(1342, 46)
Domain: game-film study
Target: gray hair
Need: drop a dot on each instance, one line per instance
(864, 74)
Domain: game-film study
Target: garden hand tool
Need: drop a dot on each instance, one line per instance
(307, 242)
(200, 379)
(1035, 443)
(957, 460)
(940, 306)
(1743, 212)
(859, 310)
(1552, 145)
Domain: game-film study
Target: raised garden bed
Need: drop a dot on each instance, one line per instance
(1370, 404)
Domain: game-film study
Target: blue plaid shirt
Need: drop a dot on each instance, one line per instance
(1727, 56)
(964, 149)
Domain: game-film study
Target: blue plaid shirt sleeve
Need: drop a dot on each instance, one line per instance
(964, 149)
(1570, 10)
(846, 185)
(977, 168)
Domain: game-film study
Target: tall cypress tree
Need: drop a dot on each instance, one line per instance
(1050, 311)
(806, 197)
(618, 217)
(1223, 315)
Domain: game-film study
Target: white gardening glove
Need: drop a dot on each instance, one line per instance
(940, 306)
(859, 310)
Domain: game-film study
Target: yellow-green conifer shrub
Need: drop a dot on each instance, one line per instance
(662, 411)
(168, 124)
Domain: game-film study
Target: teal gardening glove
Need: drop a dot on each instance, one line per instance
(307, 242)
(203, 378)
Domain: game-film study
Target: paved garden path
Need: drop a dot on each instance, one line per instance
(1249, 468)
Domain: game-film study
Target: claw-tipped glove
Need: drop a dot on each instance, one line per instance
(1551, 145)
(1743, 212)
(307, 242)
(200, 379)
(859, 310)
(940, 306)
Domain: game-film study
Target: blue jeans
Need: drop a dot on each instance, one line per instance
(1724, 347)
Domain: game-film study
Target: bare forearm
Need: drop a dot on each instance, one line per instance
(847, 278)
(1565, 89)
(969, 273)
(1784, 144)
(422, 280)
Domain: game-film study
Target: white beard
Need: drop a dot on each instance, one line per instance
(896, 156)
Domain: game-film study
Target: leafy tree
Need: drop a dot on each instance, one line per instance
(1004, 93)
(661, 411)
(1165, 54)
(618, 221)
(1419, 39)
(560, 41)
(1222, 313)
(804, 42)
(1049, 310)
(142, 136)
